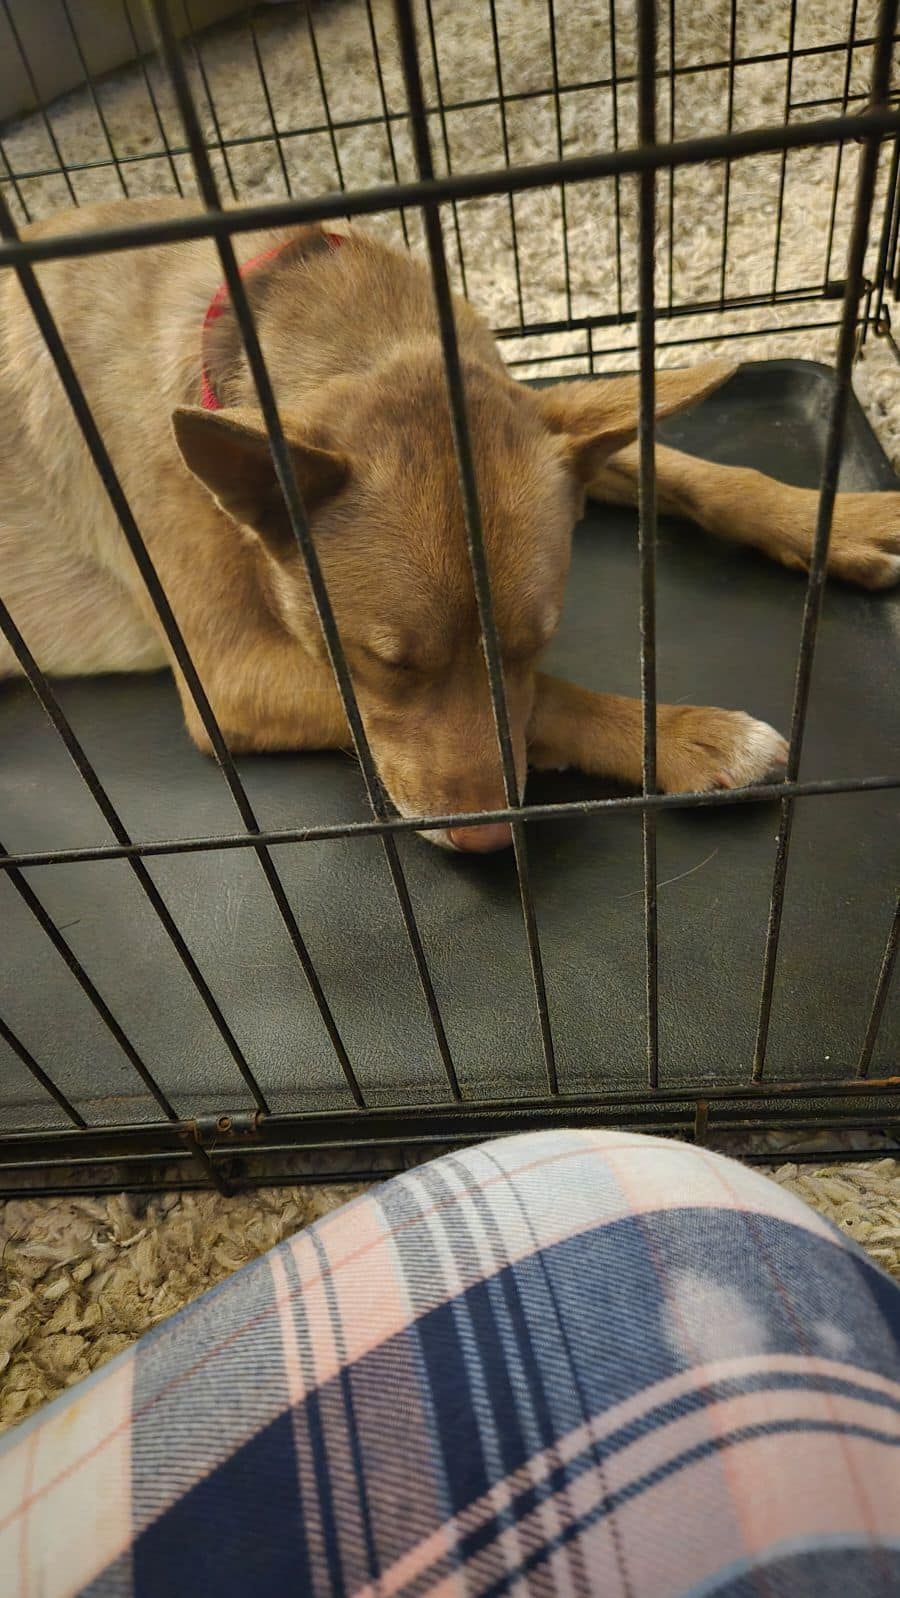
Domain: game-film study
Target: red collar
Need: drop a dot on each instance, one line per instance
(209, 400)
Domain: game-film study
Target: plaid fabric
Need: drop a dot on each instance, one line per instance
(562, 1363)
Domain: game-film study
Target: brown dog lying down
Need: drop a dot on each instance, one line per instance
(348, 331)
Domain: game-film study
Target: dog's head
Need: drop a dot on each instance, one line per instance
(375, 465)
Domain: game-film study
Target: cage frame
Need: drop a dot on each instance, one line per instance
(231, 1149)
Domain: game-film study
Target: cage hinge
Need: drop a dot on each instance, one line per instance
(210, 1131)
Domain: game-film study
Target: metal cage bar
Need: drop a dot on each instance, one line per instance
(53, 710)
(520, 179)
(326, 104)
(270, 109)
(504, 138)
(865, 194)
(882, 989)
(729, 124)
(300, 526)
(712, 798)
(63, 948)
(474, 532)
(385, 113)
(646, 22)
(839, 152)
(200, 64)
(441, 106)
(442, 109)
(154, 103)
(40, 1076)
(61, 169)
(557, 115)
(782, 174)
(94, 97)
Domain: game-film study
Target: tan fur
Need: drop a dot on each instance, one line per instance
(351, 343)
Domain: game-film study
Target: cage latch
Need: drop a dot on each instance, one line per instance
(210, 1131)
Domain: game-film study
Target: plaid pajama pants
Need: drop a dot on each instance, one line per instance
(569, 1362)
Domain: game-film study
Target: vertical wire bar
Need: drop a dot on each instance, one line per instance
(40, 1076)
(151, 94)
(326, 106)
(13, 180)
(113, 488)
(788, 90)
(300, 526)
(891, 262)
(726, 197)
(200, 64)
(445, 138)
(91, 87)
(888, 231)
(385, 110)
(839, 152)
(504, 138)
(557, 107)
(55, 714)
(617, 186)
(882, 989)
(865, 193)
(474, 533)
(673, 79)
(39, 102)
(270, 109)
(89, 989)
(646, 63)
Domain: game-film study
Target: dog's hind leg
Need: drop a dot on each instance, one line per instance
(744, 506)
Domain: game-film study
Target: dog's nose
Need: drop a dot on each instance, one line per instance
(482, 840)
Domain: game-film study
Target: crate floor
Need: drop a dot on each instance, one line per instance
(729, 626)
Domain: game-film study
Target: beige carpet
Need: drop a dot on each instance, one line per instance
(82, 1278)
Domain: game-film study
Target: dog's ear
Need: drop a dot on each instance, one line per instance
(229, 452)
(598, 417)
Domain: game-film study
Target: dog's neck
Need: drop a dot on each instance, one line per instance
(222, 355)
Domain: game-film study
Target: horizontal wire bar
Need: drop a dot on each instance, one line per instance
(714, 798)
(600, 355)
(479, 103)
(386, 197)
(288, 1177)
(389, 1122)
(803, 294)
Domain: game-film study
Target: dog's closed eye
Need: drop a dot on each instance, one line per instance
(390, 651)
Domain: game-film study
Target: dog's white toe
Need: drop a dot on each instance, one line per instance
(758, 753)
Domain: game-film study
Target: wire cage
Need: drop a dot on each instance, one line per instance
(618, 186)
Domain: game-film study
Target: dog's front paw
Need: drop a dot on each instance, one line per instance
(700, 748)
(865, 540)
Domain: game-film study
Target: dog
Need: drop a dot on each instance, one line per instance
(349, 333)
